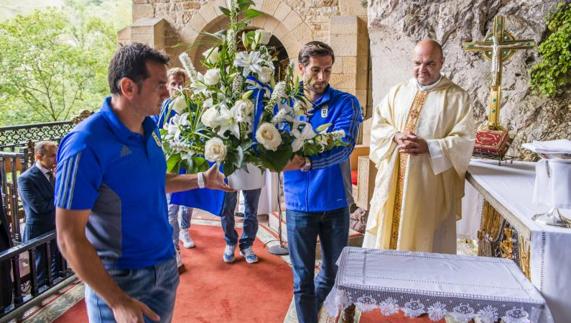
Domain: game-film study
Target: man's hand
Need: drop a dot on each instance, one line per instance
(131, 310)
(214, 179)
(295, 163)
(410, 143)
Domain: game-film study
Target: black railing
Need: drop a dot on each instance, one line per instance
(14, 138)
(11, 166)
(25, 288)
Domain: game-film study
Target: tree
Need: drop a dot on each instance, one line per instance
(52, 64)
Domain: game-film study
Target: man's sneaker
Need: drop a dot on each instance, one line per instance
(187, 242)
(229, 253)
(249, 255)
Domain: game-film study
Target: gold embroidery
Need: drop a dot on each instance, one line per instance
(411, 125)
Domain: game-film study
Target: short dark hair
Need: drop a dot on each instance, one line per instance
(313, 49)
(130, 61)
(41, 147)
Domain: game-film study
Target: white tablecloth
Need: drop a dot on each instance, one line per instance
(511, 186)
(417, 283)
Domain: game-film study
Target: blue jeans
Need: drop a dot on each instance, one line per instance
(177, 222)
(154, 286)
(251, 199)
(303, 228)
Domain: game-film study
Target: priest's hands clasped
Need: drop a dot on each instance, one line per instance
(410, 143)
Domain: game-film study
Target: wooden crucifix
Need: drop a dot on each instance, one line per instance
(498, 46)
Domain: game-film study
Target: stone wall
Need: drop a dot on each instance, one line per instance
(178, 13)
(396, 25)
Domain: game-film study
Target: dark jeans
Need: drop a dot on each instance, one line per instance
(332, 228)
(32, 231)
(251, 199)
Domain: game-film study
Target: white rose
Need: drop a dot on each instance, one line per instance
(268, 136)
(265, 75)
(215, 150)
(263, 37)
(179, 104)
(209, 118)
(212, 76)
(211, 55)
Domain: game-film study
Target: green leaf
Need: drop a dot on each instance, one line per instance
(173, 164)
(225, 11)
(252, 13)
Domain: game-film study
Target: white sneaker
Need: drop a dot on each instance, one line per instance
(249, 255)
(228, 255)
(187, 242)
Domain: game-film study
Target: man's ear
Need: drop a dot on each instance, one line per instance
(300, 68)
(128, 87)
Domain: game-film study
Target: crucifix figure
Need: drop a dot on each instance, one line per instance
(498, 46)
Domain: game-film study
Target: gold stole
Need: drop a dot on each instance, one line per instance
(411, 124)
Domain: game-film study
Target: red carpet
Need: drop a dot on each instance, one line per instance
(212, 291)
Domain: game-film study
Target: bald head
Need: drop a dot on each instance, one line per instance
(428, 60)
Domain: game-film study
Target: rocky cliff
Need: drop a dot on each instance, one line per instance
(396, 25)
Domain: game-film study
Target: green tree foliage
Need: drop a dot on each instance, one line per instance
(53, 63)
(552, 75)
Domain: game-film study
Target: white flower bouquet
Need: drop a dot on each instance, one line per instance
(234, 113)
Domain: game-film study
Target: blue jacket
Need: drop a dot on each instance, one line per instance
(37, 196)
(204, 199)
(321, 188)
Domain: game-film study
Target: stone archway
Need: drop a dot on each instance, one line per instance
(277, 17)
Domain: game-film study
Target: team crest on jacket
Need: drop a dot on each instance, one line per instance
(325, 111)
(157, 140)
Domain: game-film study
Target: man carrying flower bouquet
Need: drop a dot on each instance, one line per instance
(111, 209)
(316, 201)
(176, 79)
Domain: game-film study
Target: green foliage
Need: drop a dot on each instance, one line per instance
(552, 75)
(53, 63)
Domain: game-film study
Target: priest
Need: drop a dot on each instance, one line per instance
(422, 137)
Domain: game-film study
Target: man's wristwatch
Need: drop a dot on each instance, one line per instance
(200, 180)
(307, 166)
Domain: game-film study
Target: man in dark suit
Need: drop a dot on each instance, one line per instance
(36, 189)
(5, 267)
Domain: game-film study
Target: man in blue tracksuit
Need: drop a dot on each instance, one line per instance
(316, 201)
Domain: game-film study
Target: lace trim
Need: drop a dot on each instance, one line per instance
(436, 310)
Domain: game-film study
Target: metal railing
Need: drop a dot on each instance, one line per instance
(14, 138)
(26, 289)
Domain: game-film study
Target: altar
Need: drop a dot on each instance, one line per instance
(507, 230)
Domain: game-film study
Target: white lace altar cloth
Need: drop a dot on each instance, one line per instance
(416, 283)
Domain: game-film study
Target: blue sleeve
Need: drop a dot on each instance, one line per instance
(348, 120)
(162, 118)
(78, 178)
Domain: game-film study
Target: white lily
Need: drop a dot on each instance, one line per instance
(251, 62)
(301, 136)
(226, 122)
(212, 55)
(179, 104)
(262, 37)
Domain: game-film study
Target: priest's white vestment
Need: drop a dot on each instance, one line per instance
(417, 198)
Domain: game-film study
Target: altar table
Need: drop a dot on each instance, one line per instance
(416, 283)
(507, 230)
